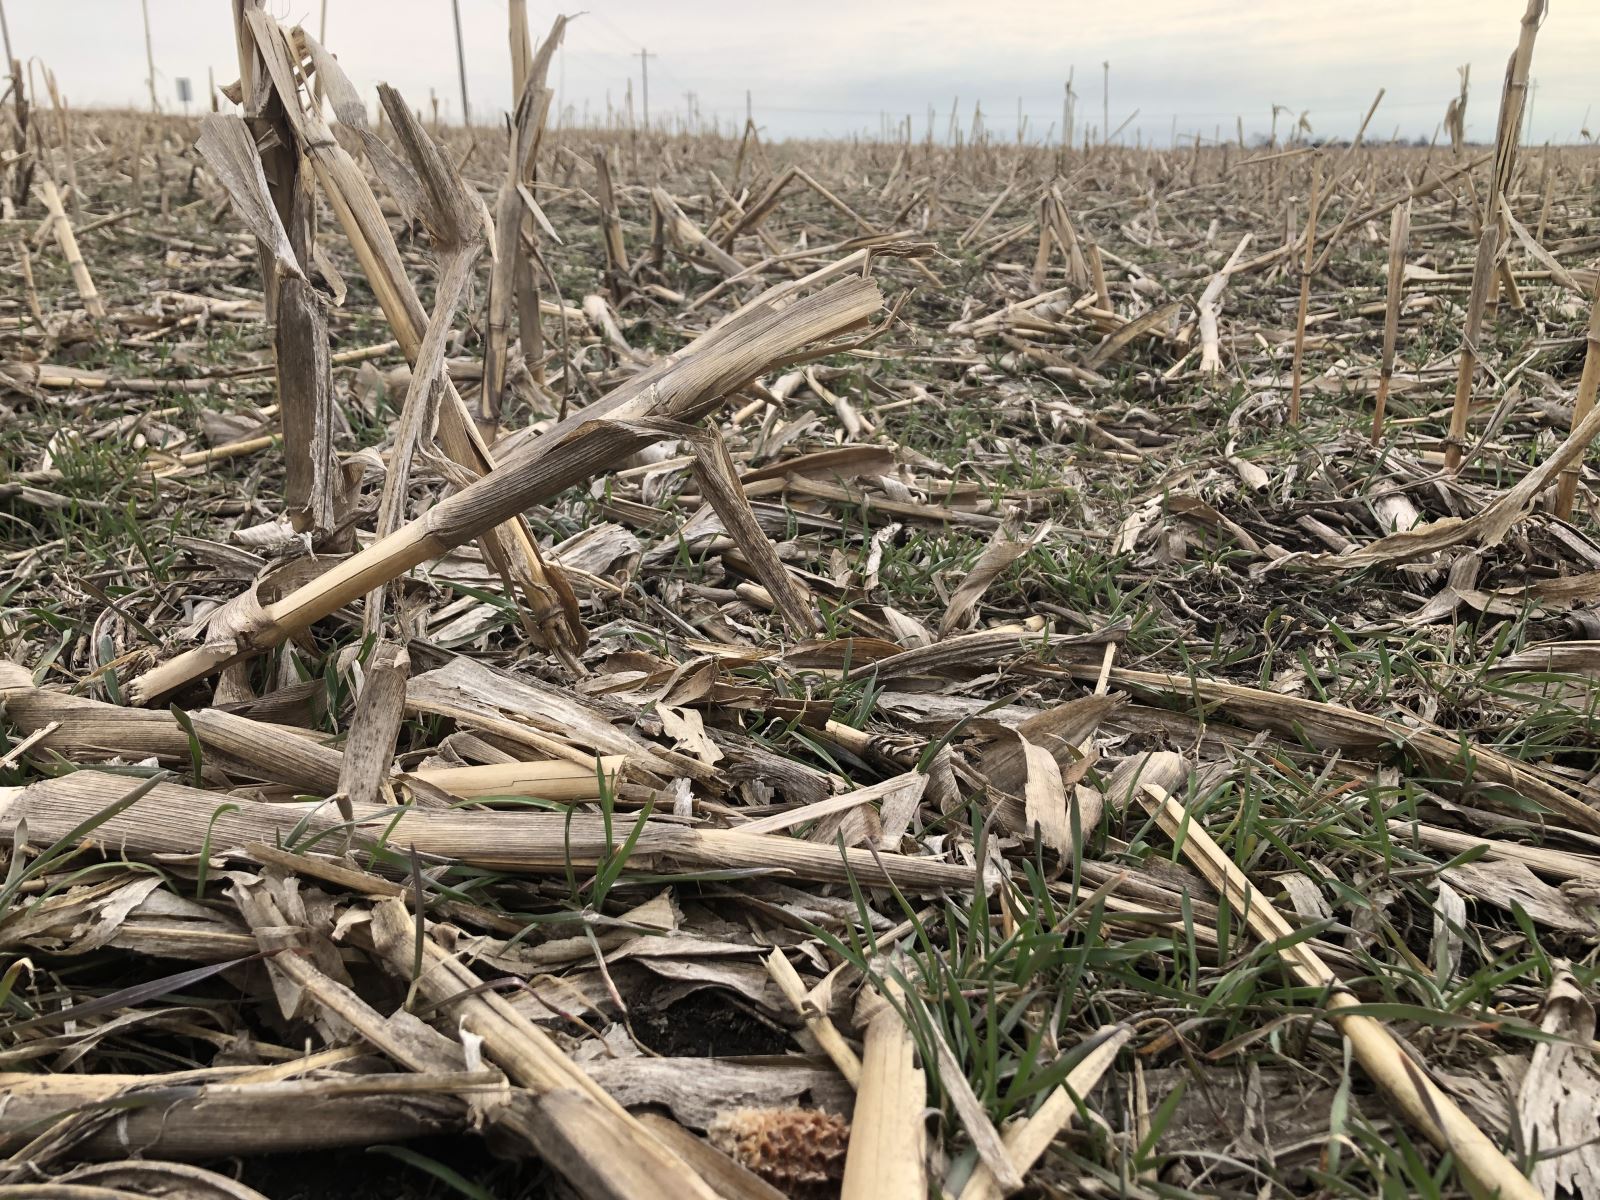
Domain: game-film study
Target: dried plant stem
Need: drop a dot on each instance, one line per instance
(1424, 1104)
(420, 404)
(267, 753)
(682, 387)
(28, 287)
(1041, 256)
(1477, 300)
(1305, 286)
(293, 310)
(200, 458)
(761, 207)
(64, 143)
(529, 1056)
(62, 228)
(1488, 263)
(513, 281)
(690, 236)
(532, 1059)
(1097, 271)
(887, 1155)
(219, 1111)
(1209, 304)
(610, 228)
(1513, 101)
(552, 779)
(512, 552)
(1588, 383)
(865, 225)
(176, 819)
(374, 726)
(821, 1027)
(1399, 235)
(1027, 1140)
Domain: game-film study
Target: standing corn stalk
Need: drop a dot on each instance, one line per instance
(550, 612)
(294, 312)
(1399, 235)
(649, 407)
(1455, 113)
(1308, 263)
(610, 228)
(62, 228)
(21, 172)
(1567, 489)
(1508, 131)
(512, 276)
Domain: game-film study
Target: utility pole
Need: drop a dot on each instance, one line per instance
(1105, 106)
(149, 56)
(644, 77)
(461, 63)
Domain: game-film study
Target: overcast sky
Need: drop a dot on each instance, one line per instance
(831, 67)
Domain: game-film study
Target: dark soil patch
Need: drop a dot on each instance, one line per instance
(707, 1024)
